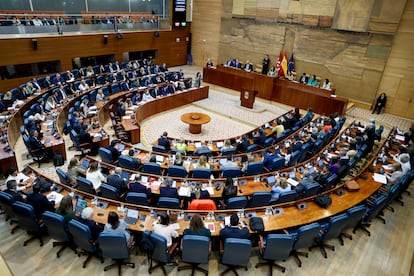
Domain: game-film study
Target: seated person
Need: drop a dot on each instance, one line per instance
(19, 177)
(181, 145)
(197, 227)
(136, 161)
(229, 191)
(313, 81)
(163, 141)
(268, 158)
(202, 163)
(74, 170)
(395, 175)
(136, 187)
(203, 149)
(87, 219)
(178, 160)
(116, 225)
(39, 201)
(35, 142)
(404, 160)
(146, 96)
(229, 163)
(199, 192)
(281, 187)
(168, 190)
(278, 129)
(227, 145)
(116, 180)
(94, 175)
(65, 208)
(234, 230)
(12, 190)
(243, 144)
(166, 230)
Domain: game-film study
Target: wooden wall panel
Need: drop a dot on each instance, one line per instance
(352, 15)
(67, 47)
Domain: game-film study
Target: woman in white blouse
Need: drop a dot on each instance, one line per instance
(94, 175)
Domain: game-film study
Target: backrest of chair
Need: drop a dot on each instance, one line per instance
(159, 148)
(113, 245)
(237, 202)
(254, 168)
(26, 216)
(287, 197)
(306, 235)
(81, 235)
(330, 182)
(195, 249)
(201, 173)
(311, 189)
(277, 163)
(336, 225)
(355, 215)
(169, 202)
(6, 202)
(259, 199)
(378, 204)
(177, 171)
(109, 191)
(202, 204)
(283, 243)
(294, 158)
(231, 172)
(160, 247)
(227, 151)
(236, 251)
(251, 148)
(126, 162)
(63, 176)
(56, 226)
(74, 137)
(136, 198)
(152, 168)
(85, 185)
(105, 155)
(268, 142)
(202, 151)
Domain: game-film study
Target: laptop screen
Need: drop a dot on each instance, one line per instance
(271, 180)
(85, 163)
(80, 205)
(121, 147)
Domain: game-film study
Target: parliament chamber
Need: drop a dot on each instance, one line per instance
(340, 169)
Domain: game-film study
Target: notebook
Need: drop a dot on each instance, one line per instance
(131, 216)
(85, 164)
(159, 158)
(80, 205)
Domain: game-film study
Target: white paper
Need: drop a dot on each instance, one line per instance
(380, 178)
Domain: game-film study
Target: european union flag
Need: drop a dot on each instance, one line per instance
(291, 64)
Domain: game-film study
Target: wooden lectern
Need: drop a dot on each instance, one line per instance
(247, 98)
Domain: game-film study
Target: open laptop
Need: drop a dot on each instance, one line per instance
(121, 147)
(80, 205)
(131, 216)
(85, 164)
(271, 180)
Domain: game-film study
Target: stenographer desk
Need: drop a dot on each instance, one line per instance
(275, 89)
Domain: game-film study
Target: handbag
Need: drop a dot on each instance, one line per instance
(323, 201)
(352, 185)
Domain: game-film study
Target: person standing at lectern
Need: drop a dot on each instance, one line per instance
(380, 103)
(266, 62)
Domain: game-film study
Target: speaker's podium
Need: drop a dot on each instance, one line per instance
(247, 98)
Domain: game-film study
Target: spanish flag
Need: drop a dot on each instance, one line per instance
(283, 66)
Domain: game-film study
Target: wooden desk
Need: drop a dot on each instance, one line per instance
(275, 89)
(131, 126)
(195, 121)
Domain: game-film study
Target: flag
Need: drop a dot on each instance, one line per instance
(279, 61)
(284, 66)
(291, 64)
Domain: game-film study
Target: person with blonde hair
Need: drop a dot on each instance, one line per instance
(203, 162)
(281, 187)
(74, 170)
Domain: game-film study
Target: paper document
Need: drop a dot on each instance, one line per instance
(380, 178)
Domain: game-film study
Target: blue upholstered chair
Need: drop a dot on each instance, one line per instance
(57, 229)
(355, 215)
(294, 158)
(277, 164)
(252, 147)
(259, 199)
(79, 147)
(105, 155)
(159, 148)
(237, 202)
(137, 198)
(83, 239)
(114, 246)
(276, 247)
(284, 197)
(374, 210)
(227, 151)
(268, 142)
(85, 185)
(254, 168)
(169, 202)
(304, 238)
(6, 202)
(27, 220)
(236, 254)
(330, 230)
(195, 250)
(64, 177)
(127, 162)
(231, 172)
(160, 252)
(330, 182)
(311, 189)
(201, 173)
(108, 191)
(177, 171)
(152, 168)
(115, 88)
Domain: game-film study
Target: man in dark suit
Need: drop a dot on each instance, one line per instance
(243, 144)
(35, 143)
(40, 202)
(11, 190)
(116, 180)
(268, 159)
(86, 138)
(112, 148)
(235, 230)
(163, 141)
